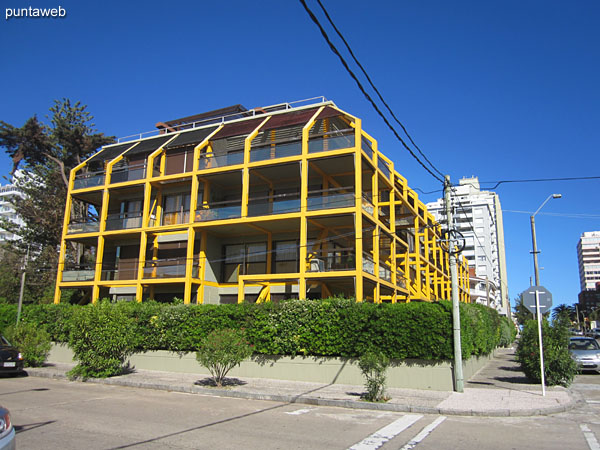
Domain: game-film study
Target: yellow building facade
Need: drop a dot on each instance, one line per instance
(287, 201)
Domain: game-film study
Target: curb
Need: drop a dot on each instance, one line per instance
(576, 399)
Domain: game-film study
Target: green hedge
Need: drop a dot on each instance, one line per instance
(331, 327)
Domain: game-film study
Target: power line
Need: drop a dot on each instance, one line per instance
(537, 180)
(374, 88)
(362, 89)
(572, 215)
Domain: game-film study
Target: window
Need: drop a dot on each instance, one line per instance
(286, 257)
(244, 259)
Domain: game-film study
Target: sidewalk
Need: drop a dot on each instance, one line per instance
(498, 389)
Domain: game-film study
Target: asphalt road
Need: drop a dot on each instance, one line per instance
(57, 414)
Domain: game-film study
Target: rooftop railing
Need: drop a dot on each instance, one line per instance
(227, 118)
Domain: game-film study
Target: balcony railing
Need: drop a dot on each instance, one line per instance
(165, 268)
(332, 260)
(384, 167)
(218, 211)
(87, 225)
(175, 217)
(210, 160)
(83, 272)
(333, 140)
(124, 221)
(130, 273)
(88, 179)
(129, 173)
(275, 150)
(385, 273)
(368, 264)
(366, 147)
(275, 204)
(367, 204)
(330, 198)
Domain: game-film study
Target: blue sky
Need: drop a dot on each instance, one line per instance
(500, 90)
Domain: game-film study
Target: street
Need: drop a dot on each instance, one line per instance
(57, 414)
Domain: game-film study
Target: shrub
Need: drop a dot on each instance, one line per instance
(32, 341)
(221, 351)
(508, 332)
(559, 367)
(373, 366)
(102, 337)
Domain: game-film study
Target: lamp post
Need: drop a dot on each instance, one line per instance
(535, 250)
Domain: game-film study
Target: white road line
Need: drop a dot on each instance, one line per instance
(423, 434)
(386, 433)
(590, 437)
(593, 401)
(298, 412)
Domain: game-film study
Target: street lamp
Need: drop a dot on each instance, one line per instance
(535, 250)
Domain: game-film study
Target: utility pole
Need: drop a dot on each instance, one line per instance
(22, 286)
(458, 369)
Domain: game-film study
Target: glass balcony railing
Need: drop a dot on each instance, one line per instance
(78, 273)
(165, 268)
(277, 204)
(277, 150)
(330, 198)
(129, 273)
(335, 140)
(175, 217)
(89, 225)
(123, 221)
(385, 273)
(368, 264)
(129, 173)
(367, 204)
(88, 179)
(332, 260)
(366, 147)
(210, 161)
(218, 211)
(384, 167)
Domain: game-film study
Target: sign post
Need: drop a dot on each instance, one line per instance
(538, 300)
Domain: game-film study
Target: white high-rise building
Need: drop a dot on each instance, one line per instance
(478, 216)
(8, 193)
(588, 256)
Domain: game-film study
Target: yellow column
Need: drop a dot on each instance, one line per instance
(358, 217)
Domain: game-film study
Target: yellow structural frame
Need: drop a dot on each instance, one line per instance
(428, 262)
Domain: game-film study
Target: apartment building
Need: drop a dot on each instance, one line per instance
(8, 194)
(588, 258)
(288, 201)
(478, 216)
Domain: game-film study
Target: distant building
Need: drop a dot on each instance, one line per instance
(478, 216)
(8, 194)
(589, 299)
(588, 257)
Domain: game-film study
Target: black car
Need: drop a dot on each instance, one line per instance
(11, 360)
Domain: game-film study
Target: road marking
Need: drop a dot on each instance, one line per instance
(423, 434)
(590, 437)
(593, 401)
(386, 433)
(298, 412)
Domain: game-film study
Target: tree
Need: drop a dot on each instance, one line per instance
(568, 313)
(521, 313)
(46, 154)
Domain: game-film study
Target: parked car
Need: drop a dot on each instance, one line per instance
(586, 352)
(11, 360)
(7, 431)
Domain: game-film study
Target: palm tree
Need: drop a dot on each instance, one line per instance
(567, 312)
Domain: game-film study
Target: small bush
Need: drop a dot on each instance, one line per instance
(32, 341)
(221, 351)
(559, 367)
(102, 337)
(373, 366)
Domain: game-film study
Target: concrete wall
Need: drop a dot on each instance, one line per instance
(412, 374)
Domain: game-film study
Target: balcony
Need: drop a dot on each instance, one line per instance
(384, 167)
(218, 211)
(368, 264)
(165, 268)
(385, 273)
(128, 173)
(274, 150)
(275, 204)
(86, 225)
(330, 198)
(175, 217)
(210, 160)
(365, 144)
(129, 273)
(82, 272)
(88, 179)
(332, 260)
(367, 204)
(332, 140)
(123, 221)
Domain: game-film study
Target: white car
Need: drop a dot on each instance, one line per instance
(7, 431)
